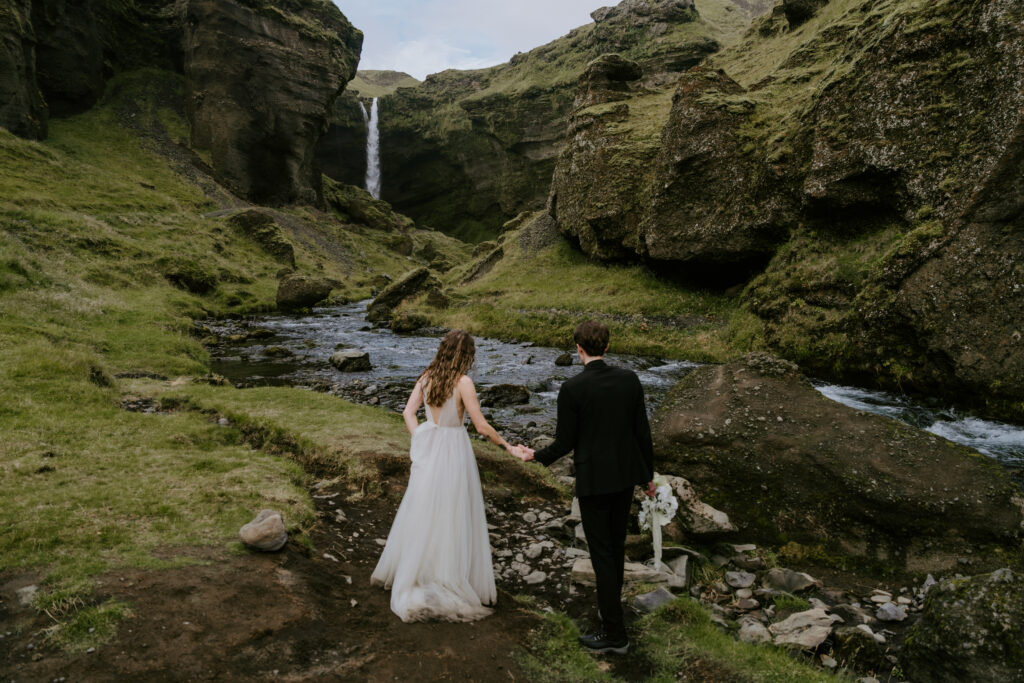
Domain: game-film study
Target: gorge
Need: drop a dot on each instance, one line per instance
(749, 193)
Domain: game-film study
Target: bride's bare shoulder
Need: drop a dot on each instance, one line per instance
(466, 383)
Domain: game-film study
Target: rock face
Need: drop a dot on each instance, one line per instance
(301, 291)
(883, 226)
(465, 151)
(266, 532)
(69, 55)
(969, 630)
(261, 85)
(788, 464)
(22, 108)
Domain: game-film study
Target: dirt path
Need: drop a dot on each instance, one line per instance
(293, 616)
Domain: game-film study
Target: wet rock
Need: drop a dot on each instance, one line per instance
(787, 580)
(277, 352)
(970, 629)
(807, 629)
(503, 395)
(350, 360)
(564, 360)
(302, 291)
(648, 602)
(406, 322)
(266, 532)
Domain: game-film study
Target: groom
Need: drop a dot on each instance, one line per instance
(603, 420)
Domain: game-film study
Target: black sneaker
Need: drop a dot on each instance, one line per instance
(600, 642)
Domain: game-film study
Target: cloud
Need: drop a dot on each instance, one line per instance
(426, 36)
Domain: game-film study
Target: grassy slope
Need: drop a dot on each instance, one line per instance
(90, 222)
(369, 83)
(541, 297)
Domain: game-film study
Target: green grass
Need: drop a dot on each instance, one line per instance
(96, 227)
(677, 637)
(542, 296)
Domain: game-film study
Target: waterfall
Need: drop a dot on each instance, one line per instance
(372, 150)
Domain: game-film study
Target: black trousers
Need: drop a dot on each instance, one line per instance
(604, 522)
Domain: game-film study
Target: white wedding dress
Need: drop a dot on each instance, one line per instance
(437, 560)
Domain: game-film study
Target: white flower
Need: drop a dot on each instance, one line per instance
(662, 507)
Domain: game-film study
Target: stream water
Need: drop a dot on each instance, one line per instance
(397, 360)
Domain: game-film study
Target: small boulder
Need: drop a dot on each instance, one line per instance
(753, 631)
(695, 516)
(296, 291)
(739, 579)
(351, 360)
(564, 360)
(409, 285)
(807, 629)
(266, 532)
(648, 602)
(787, 580)
(890, 611)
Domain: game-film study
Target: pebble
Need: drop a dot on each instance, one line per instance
(828, 662)
(744, 593)
(740, 579)
(530, 517)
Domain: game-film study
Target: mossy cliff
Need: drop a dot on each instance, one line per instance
(261, 77)
(856, 164)
(465, 151)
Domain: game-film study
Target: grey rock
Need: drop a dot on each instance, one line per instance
(753, 631)
(534, 551)
(648, 602)
(530, 517)
(788, 580)
(890, 611)
(564, 360)
(807, 629)
(740, 579)
(535, 577)
(266, 532)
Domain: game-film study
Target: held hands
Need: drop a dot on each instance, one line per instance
(522, 452)
(651, 489)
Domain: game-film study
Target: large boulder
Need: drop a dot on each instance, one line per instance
(261, 85)
(296, 291)
(970, 630)
(22, 108)
(787, 464)
(714, 205)
(409, 285)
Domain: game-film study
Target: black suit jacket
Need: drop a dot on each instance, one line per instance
(603, 420)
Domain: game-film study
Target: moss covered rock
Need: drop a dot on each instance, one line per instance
(296, 291)
(970, 630)
(409, 285)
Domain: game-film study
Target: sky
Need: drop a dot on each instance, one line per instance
(421, 37)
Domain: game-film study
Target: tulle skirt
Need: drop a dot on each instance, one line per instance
(437, 560)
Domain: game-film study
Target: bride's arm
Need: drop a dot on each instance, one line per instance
(468, 394)
(412, 406)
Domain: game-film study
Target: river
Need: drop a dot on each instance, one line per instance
(309, 341)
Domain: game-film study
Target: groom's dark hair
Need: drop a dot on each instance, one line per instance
(592, 336)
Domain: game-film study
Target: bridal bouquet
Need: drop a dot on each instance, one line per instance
(656, 512)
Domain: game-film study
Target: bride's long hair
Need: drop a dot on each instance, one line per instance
(454, 357)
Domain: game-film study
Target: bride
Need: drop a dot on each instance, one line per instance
(437, 560)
